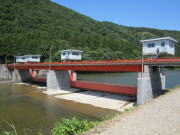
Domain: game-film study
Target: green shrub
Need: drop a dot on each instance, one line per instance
(72, 126)
(12, 131)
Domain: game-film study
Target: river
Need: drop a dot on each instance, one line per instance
(31, 111)
(172, 78)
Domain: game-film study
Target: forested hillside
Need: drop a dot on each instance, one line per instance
(35, 26)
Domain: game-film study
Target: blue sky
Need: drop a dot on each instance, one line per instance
(161, 14)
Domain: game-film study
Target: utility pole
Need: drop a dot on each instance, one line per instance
(50, 58)
(142, 57)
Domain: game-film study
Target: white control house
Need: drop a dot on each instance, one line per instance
(33, 58)
(28, 58)
(20, 59)
(159, 46)
(71, 54)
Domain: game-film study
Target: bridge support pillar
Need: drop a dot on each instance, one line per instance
(57, 80)
(20, 75)
(149, 84)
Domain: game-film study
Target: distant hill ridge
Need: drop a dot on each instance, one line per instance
(35, 26)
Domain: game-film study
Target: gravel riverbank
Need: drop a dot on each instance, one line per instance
(159, 117)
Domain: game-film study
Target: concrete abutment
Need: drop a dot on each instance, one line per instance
(15, 75)
(5, 74)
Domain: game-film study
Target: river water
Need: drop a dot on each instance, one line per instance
(31, 111)
(172, 78)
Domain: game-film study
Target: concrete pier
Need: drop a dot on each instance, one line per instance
(58, 80)
(149, 84)
(21, 75)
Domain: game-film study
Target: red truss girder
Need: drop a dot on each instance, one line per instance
(128, 68)
(125, 68)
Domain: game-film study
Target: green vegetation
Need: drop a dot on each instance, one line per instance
(12, 131)
(65, 127)
(72, 126)
(35, 26)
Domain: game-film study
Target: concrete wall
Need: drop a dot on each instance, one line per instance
(57, 80)
(21, 75)
(4, 72)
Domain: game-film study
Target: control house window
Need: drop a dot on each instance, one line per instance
(162, 44)
(171, 44)
(75, 53)
(34, 57)
(151, 45)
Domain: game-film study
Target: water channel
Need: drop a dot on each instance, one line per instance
(30, 110)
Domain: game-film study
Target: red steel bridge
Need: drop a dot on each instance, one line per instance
(111, 66)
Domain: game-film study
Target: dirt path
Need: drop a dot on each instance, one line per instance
(159, 117)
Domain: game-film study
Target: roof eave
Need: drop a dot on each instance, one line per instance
(156, 39)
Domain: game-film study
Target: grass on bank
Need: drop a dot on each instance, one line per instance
(72, 126)
(65, 127)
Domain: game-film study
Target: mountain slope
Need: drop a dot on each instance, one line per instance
(35, 26)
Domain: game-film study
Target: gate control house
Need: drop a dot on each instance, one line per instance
(28, 58)
(20, 59)
(33, 58)
(71, 54)
(159, 46)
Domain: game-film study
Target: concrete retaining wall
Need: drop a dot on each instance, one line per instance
(4, 72)
(22, 75)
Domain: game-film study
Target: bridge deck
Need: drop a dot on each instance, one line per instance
(112, 65)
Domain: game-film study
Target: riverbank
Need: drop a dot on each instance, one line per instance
(158, 117)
